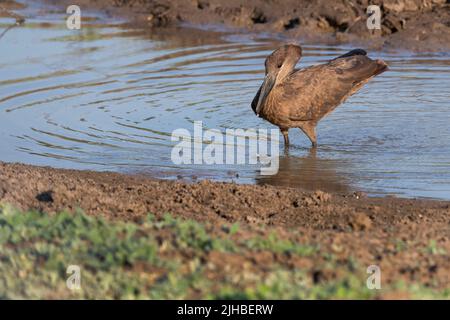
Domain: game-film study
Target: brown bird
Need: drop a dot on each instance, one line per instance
(292, 98)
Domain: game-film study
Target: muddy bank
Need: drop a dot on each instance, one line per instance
(8, 8)
(418, 25)
(409, 239)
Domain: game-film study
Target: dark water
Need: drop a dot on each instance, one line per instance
(107, 98)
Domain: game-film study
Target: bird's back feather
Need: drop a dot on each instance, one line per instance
(313, 92)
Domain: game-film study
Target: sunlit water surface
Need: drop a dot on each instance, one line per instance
(107, 98)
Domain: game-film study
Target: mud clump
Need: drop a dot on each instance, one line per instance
(314, 199)
(320, 196)
(360, 222)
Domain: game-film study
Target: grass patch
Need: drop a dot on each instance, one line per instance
(273, 243)
(154, 259)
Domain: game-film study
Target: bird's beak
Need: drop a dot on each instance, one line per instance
(267, 85)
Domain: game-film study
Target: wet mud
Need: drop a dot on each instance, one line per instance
(417, 25)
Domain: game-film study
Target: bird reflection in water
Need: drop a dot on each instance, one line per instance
(309, 173)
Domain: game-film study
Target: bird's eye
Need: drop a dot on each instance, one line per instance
(279, 65)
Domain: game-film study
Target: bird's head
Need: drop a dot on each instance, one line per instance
(279, 64)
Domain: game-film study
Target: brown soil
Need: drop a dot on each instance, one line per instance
(418, 25)
(408, 238)
(7, 10)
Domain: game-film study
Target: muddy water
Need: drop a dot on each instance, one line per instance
(107, 98)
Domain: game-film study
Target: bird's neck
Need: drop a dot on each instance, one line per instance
(284, 72)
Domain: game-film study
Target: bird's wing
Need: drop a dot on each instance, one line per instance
(315, 91)
(356, 68)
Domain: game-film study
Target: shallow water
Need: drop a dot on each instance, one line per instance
(107, 98)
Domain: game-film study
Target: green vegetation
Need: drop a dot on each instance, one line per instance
(273, 244)
(155, 258)
(434, 249)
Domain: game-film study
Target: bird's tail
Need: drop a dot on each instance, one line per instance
(381, 67)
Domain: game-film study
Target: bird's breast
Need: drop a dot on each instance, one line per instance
(275, 111)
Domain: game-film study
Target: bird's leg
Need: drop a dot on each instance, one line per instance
(310, 131)
(285, 133)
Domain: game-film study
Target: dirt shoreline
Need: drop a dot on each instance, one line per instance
(415, 25)
(408, 238)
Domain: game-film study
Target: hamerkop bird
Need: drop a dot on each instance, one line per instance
(290, 98)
